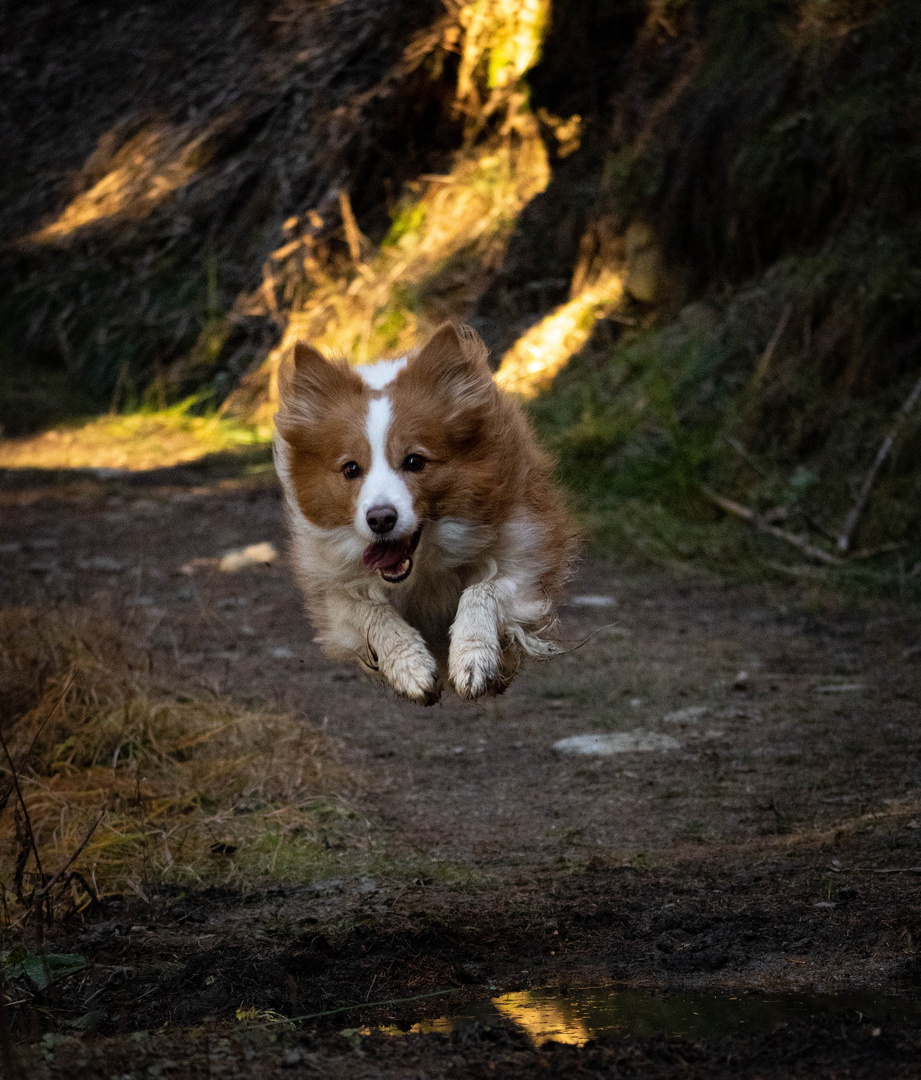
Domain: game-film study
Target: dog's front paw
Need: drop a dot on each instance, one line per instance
(475, 668)
(412, 671)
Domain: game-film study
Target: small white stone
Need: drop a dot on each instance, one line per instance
(686, 715)
(105, 563)
(591, 600)
(253, 555)
(617, 742)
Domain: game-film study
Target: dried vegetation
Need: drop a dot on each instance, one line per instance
(112, 783)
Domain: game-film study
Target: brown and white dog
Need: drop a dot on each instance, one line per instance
(426, 532)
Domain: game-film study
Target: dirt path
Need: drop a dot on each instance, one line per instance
(743, 853)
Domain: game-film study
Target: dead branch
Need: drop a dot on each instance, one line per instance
(56, 877)
(22, 803)
(759, 523)
(352, 233)
(856, 511)
(750, 460)
(268, 290)
(871, 553)
(764, 360)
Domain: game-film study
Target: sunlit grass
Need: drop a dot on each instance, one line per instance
(449, 232)
(431, 266)
(504, 36)
(144, 172)
(132, 441)
(532, 362)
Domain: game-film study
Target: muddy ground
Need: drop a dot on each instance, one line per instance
(774, 848)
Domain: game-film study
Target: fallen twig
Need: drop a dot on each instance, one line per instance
(24, 808)
(856, 511)
(55, 878)
(756, 519)
(373, 1004)
(764, 360)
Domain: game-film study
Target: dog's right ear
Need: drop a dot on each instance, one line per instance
(306, 382)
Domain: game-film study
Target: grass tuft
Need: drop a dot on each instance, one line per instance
(186, 789)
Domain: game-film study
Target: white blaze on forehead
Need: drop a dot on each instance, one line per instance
(377, 376)
(383, 485)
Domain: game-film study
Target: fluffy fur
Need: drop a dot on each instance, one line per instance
(431, 440)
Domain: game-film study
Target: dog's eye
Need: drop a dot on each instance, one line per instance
(351, 470)
(414, 463)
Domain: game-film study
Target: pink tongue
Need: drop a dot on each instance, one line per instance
(386, 554)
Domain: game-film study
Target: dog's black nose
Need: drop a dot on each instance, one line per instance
(381, 519)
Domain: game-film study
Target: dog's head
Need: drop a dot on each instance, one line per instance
(386, 449)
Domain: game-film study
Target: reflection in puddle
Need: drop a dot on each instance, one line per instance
(592, 1012)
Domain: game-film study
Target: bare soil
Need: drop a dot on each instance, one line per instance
(775, 848)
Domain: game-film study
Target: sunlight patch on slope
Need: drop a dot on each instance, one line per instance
(432, 267)
(148, 168)
(506, 34)
(531, 363)
(449, 232)
(129, 442)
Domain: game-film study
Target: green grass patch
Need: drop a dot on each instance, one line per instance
(144, 439)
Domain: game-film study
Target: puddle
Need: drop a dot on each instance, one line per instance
(594, 1011)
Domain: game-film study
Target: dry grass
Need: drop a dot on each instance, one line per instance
(144, 440)
(449, 232)
(144, 172)
(442, 249)
(184, 789)
(530, 365)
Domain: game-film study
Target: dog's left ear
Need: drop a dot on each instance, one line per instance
(455, 359)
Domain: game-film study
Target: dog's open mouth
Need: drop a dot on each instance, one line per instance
(392, 559)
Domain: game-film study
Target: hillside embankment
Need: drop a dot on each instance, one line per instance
(700, 216)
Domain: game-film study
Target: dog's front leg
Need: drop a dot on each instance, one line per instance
(475, 659)
(388, 646)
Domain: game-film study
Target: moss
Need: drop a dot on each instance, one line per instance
(408, 220)
(620, 429)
